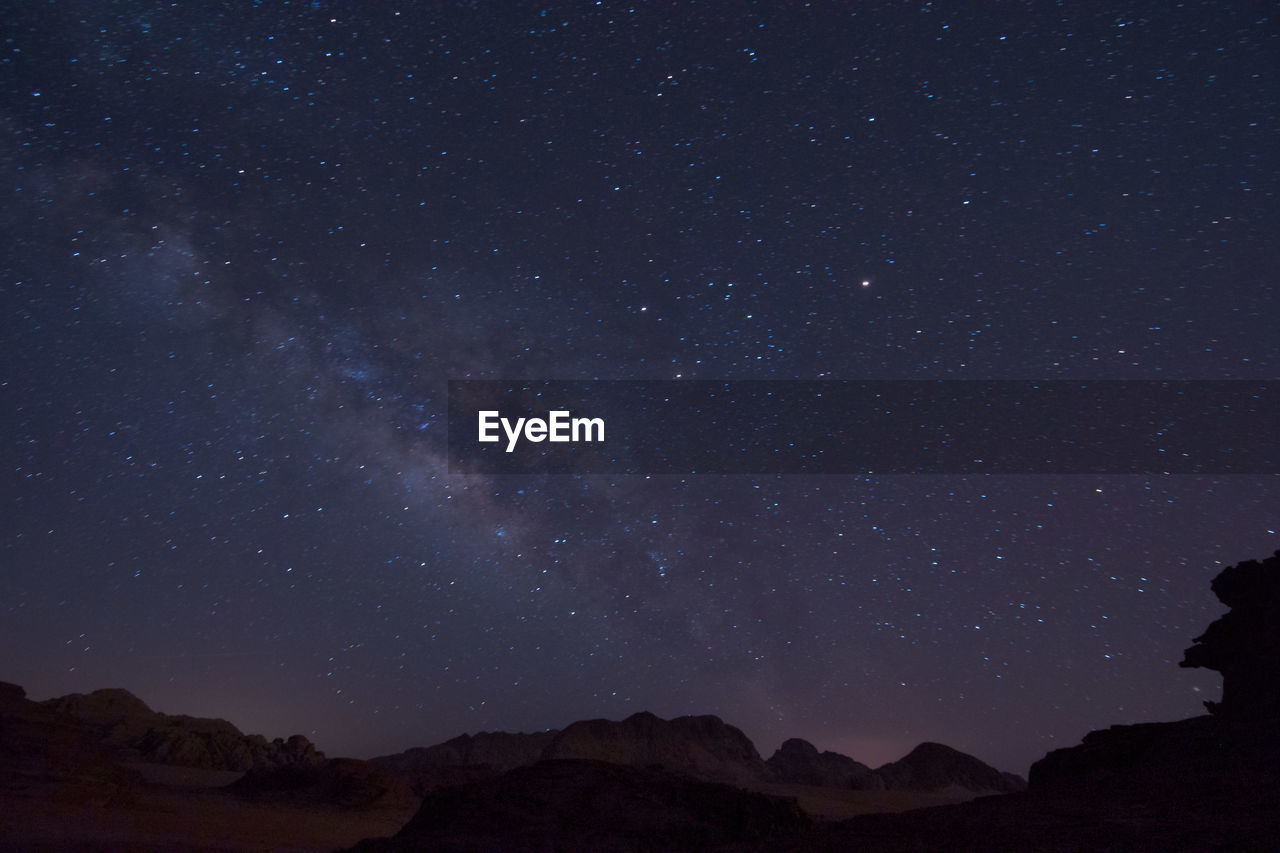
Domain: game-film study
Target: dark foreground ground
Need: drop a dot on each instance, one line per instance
(588, 806)
(153, 807)
(184, 809)
(1209, 783)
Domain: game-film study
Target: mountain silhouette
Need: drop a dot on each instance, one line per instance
(76, 769)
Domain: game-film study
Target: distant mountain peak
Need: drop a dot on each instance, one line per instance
(935, 766)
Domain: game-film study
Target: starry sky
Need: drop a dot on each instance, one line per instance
(246, 246)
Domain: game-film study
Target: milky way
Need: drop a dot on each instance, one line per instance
(246, 248)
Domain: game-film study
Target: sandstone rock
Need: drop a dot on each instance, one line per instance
(799, 762)
(703, 747)
(48, 755)
(466, 758)
(935, 767)
(111, 710)
(578, 805)
(1244, 644)
(11, 694)
(501, 751)
(122, 720)
(343, 782)
(1216, 776)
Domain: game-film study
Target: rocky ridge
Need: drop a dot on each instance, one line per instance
(701, 747)
(935, 767)
(123, 721)
(798, 762)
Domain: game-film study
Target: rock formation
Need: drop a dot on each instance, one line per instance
(1237, 746)
(703, 747)
(1184, 756)
(1219, 774)
(935, 767)
(466, 758)
(347, 783)
(798, 762)
(1244, 644)
(123, 721)
(46, 754)
(1206, 783)
(579, 805)
(501, 751)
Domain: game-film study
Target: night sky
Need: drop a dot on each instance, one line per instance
(247, 244)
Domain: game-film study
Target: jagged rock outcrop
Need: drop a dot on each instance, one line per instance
(1244, 644)
(46, 754)
(344, 782)
(704, 747)
(107, 709)
(1187, 755)
(121, 720)
(936, 767)
(501, 751)
(11, 694)
(1213, 777)
(798, 762)
(1237, 746)
(466, 758)
(579, 805)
